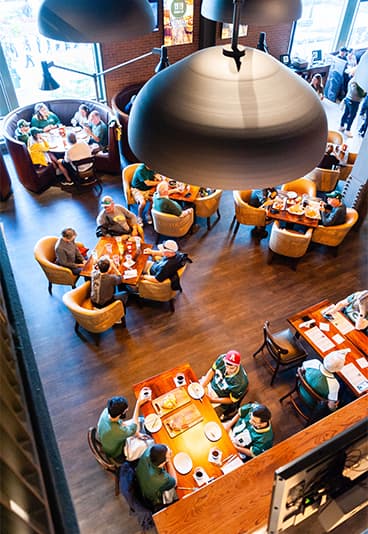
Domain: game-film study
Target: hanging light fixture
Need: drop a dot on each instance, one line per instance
(83, 21)
(233, 119)
(256, 12)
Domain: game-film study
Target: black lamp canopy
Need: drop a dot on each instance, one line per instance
(83, 21)
(257, 12)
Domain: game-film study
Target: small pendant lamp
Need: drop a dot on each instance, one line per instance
(256, 12)
(205, 122)
(99, 21)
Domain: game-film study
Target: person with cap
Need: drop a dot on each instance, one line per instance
(143, 185)
(334, 212)
(115, 220)
(320, 377)
(355, 307)
(156, 475)
(22, 131)
(226, 383)
(112, 430)
(168, 260)
(38, 149)
(250, 430)
(67, 252)
(105, 277)
(164, 204)
(43, 118)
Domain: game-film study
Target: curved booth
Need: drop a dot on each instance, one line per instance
(37, 180)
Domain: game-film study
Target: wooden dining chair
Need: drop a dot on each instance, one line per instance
(283, 350)
(109, 464)
(87, 177)
(309, 409)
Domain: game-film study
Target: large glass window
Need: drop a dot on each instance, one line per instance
(359, 33)
(25, 48)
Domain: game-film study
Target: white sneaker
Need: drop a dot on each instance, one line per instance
(342, 128)
(139, 221)
(348, 133)
(148, 219)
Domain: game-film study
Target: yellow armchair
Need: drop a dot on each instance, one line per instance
(159, 291)
(288, 243)
(301, 186)
(207, 206)
(332, 236)
(334, 137)
(92, 319)
(172, 225)
(127, 176)
(247, 214)
(44, 253)
(325, 179)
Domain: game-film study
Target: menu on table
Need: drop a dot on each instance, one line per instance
(355, 377)
(319, 339)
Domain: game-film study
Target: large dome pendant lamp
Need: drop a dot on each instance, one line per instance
(255, 12)
(235, 121)
(100, 21)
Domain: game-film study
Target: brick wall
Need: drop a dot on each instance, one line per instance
(115, 53)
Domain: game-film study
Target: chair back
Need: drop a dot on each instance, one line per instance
(93, 320)
(244, 212)
(273, 348)
(302, 383)
(98, 452)
(158, 291)
(289, 243)
(207, 206)
(335, 137)
(301, 186)
(85, 168)
(44, 253)
(325, 179)
(334, 235)
(172, 225)
(127, 176)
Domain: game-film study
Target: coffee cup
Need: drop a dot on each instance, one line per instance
(146, 392)
(215, 456)
(180, 379)
(199, 474)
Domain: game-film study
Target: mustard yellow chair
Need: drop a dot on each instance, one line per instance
(172, 225)
(346, 169)
(127, 176)
(159, 291)
(332, 236)
(288, 243)
(325, 179)
(335, 137)
(301, 186)
(247, 214)
(44, 253)
(207, 206)
(92, 319)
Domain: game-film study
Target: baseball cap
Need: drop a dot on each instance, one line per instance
(334, 194)
(106, 201)
(170, 245)
(334, 361)
(344, 49)
(34, 131)
(22, 122)
(232, 357)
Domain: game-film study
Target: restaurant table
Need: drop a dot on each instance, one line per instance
(192, 440)
(58, 143)
(117, 249)
(323, 341)
(189, 194)
(284, 215)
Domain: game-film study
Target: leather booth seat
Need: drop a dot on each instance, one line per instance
(38, 181)
(118, 103)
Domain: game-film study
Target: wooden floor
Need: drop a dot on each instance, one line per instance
(228, 292)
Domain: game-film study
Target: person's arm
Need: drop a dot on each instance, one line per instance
(340, 305)
(170, 466)
(361, 321)
(204, 381)
(228, 425)
(140, 400)
(78, 256)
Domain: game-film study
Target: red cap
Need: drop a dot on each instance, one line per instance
(232, 357)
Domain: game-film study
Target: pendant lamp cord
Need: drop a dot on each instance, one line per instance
(235, 52)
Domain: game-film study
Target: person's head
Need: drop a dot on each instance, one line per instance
(169, 247)
(103, 265)
(329, 149)
(362, 298)
(83, 110)
(163, 189)
(317, 79)
(260, 416)
(23, 126)
(41, 110)
(108, 204)
(334, 361)
(72, 138)
(117, 407)
(232, 362)
(94, 117)
(343, 51)
(35, 133)
(158, 454)
(334, 199)
(69, 234)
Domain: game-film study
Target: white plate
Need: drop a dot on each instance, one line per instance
(301, 212)
(129, 264)
(195, 390)
(213, 431)
(291, 194)
(152, 422)
(183, 463)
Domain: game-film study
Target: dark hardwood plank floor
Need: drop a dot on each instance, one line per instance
(228, 292)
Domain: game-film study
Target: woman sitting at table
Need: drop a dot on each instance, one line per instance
(38, 149)
(355, 307)
(43, 118)
(80, 117)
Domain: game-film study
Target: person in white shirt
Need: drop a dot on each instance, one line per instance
(77, 150)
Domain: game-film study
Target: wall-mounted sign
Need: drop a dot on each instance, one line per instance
(227, 30)
(178, 22)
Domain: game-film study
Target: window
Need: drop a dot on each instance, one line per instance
(359, 33)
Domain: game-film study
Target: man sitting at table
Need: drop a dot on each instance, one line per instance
(103, 284)
(334, 212)
(97, 130)
(112, 431)
(143, 182)
(67, 252)
(114, 220)
(320, 376)
(330, 159)
(355, 307)
(22, 131)
(164, 204)
(226, 384)
(168, 260)
(77, 150)
(156, 474)
(250, 430)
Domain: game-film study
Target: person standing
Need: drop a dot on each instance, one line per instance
(354, 96)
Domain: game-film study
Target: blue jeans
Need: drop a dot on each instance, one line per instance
(351, 109)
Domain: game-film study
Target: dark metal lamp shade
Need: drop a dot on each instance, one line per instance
(203, 122)
(258, 12)
(83, 21)
(48, 83)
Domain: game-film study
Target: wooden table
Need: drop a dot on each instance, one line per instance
(355, 340)
(193, 440)
(284, 215)
(58, 143)
(188, 195)
(117, 247)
